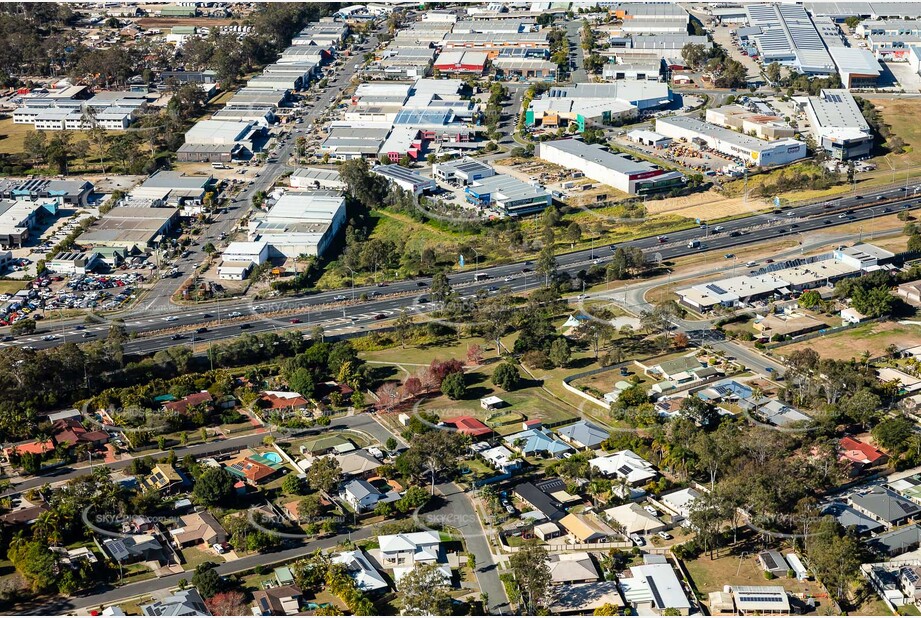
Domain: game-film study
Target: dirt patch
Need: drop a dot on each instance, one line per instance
(709, 206)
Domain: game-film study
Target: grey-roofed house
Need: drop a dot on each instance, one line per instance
(571, 568)
(182, 603)
(361, 495)
(133, 548)
(583, 434)
(885, 506)
(540, 501)
(849, 517)
(773, 562)
(896, 542)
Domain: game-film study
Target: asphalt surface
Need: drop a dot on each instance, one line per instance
(343, 310)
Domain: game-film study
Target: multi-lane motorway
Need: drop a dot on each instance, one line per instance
(343, 310)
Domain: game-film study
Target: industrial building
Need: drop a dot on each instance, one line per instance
(239, 258)
(507, 194)
(300, 223)
(461, 62)
(585, 104)
(784, 279)
(462, 172)
(524, 68)
(748, 150)
(402, 63)
(316, 178)
(493, 42)
(406, 179)
(132, 229)
(20, 216)
(837, 124)
(613, 169)
(69, 192)
(165, 188)
(857, 67)
(649, 70)
(344, 143)
(764, 126)
(785, 34)
(219, 141)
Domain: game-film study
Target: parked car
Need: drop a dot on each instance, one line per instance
(640, 541)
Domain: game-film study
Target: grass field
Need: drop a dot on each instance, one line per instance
(11, 287)
(711, 575)
(874, 337)
(12, 136)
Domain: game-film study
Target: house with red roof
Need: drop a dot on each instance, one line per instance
(195, 399)
(71, 431)
(282, 400)
(251, 471)
(860, 454)
(468, 425)
(35, 447)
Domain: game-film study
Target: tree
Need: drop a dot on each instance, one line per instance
(292, 485)
(207, 580)
(324, 474)
(531, 568)
(23, 327)
(835, 557)
(309, 508)
(302, 381)
(403, 327)
(863, 407)
(213, 487)
(701, 412)
(506, 377)
(230, 603)
(810, 299)
(35, 562)
(432, 453)
(593, 332)
(454, 385)
(560, 354)
(424, 592)
(391, 444)
(573, 233)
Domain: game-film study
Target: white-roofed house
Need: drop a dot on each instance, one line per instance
(402, 552)
(359, 567)
(625, 465)
(655, 588)
(634, 519)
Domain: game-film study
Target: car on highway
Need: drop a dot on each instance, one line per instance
(236, 314)
(421, 284)
(170, 318)
(86, 335)
(662, 238)
(718, 228)
(380, 316)
(340, 297)
(295, 320)
(177, 337)
(49, 337)
(201, 330)
(422, 300)
(245, 326)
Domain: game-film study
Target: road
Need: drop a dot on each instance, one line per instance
(344, 310)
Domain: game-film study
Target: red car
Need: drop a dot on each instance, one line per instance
(295, 320)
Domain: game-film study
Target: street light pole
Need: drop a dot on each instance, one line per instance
(353, 281)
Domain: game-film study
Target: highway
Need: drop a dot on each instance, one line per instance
(343, 310)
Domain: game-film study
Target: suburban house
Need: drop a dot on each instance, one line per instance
(548, 530)
(536, 442)
(360, 569)
(134, 548)
(851, 518)
(72, 432)
(501, 459)
(164, 477)
(281, 400)
(678, 370)
(761, 600)
(277, 601)
(359, 463)
(546, 507)
(468, 425)
(653, 588)
(573, 568)
(634, 519)
(251, 471)
(197, 529)
(679, 502)
(583, 435)
(860, 454)
(361, 495)
(910, 291)
(402, 552)
(587, 528)
(625, 465)
(896, 542)
(885, 506)
(181, 603)
(195, 399)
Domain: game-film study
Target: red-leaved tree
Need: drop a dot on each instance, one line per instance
(228, 603)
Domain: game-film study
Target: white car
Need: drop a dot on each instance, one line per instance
(651, 510)
(171, 318)
(664, 535)
(340, 297)
(718, 228)
(236, 314)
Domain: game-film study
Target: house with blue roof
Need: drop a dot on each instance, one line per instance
(538, 442)
(583, 435)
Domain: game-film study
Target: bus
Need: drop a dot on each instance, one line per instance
(218, 166)
(480, 277)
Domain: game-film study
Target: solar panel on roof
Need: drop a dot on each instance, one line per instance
(715, 288)
(625, 470)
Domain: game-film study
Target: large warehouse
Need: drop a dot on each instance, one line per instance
(599, 103)
(749, 150)
(615, 170)
(838, 125)
(300, 223)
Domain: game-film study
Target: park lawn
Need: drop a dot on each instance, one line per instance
(12, 136)
(604, 382)
(413, 356)
(873, 337)
(195, 556)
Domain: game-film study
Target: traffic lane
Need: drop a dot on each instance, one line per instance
(672, 249)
